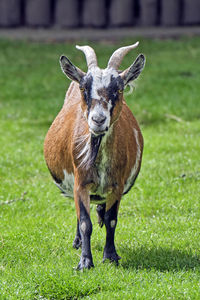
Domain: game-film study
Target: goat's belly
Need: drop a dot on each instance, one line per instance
(135, 169)
(97, 199)
(130, 182)
(100, 191)
(67, 185)
(67, 188)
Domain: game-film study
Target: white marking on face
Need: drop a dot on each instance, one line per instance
(112, 223)
(101, 79)
(136, 165)
(107, 74)
(83, 227)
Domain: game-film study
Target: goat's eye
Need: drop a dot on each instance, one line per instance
(120, 91)
(82, 89)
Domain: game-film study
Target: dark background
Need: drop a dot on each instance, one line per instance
(98, 13)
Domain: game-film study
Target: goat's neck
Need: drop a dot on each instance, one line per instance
(105, 144)
(95, 144)
(92, 148)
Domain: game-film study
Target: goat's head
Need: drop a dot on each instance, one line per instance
(102, 89)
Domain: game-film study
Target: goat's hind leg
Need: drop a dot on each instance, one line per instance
(101, 209)
(77, 241)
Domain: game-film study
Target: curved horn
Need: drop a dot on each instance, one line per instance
(90, 55)
(118, 55)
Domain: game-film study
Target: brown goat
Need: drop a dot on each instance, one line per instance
(94, 147)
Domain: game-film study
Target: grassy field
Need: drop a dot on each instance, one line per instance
(158, 233)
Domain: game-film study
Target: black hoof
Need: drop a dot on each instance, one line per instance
(85, 263)
(77, 242)
(113, 257)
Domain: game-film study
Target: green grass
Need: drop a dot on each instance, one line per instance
(158, 233)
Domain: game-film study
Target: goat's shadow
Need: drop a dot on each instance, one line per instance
(162, 259)
(157, 258)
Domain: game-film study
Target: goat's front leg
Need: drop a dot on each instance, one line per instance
(82, 201)
(110, 221)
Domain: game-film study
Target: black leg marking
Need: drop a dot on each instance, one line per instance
(110, 223)
(85, 228)
(101, 209)
(77, 241)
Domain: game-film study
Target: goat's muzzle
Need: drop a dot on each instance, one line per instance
(98, 123)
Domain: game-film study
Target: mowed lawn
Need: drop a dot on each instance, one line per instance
(158, 232)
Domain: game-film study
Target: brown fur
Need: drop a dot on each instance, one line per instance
(60, 148)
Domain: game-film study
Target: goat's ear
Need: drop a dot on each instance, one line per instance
(70, 70)
(134, 70)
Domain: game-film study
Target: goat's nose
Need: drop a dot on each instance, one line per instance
(98, 119)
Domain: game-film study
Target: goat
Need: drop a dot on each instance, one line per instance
(94, 147)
